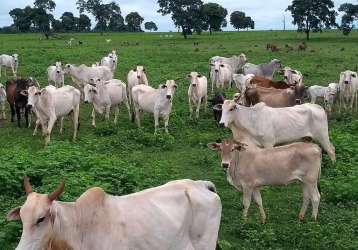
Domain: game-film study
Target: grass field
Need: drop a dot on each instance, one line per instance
(123, 159)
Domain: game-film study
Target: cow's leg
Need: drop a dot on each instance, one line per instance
(198, 108)
(18, 115)
(246, 201)
(137, 114)
(3, 111)
(258, 201)
(166, 123)
(61, 125)
(205, 103)
(116, 113)
(315, 199)
(48, 131)
(212, 85)
(305, 202)
(190, 108)
(93, 115)
(12, 108)
(0, 70)
(76, 114)
(5, 73)
(108, 110)
(36, 127)
(156, 121)
(27, 111)
(129, 110)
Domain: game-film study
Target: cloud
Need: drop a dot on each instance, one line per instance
(266, 14)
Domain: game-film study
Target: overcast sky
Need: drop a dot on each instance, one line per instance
(268, 14)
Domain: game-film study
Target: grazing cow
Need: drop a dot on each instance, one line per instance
(197, 92)
(328, 94)
(236, 62)
(268, 126)
(11, 62)
(135, 77)
(54, 104)
(182, 214)
(248, 168)
(110, 61)
(242, 81)
(2, 101)
(275, 98)
(275, 48)
(17, 98)
(56, 75)
(267, 83)
(266, 69)
(106, 95)
(348, 87)
(82, 74)
(302, 46)
(155, 101)
(289, 47)
(221, 75)
(218, 100)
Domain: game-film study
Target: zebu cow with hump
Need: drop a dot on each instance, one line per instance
(56, 75)
(267, 127)
(9, 62)
(135, 77)
(179, 215)
(248, 168)
(221, 75)
(236, 62)
(266, 70)
(16, 94)
(348, 89)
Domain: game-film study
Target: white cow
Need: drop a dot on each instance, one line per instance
(56, 75)
(9, 62)
(135, 77)
(236, 62)
(221, 75)
(327, 93)
(267, 126)
(2, 101)
(242, 81)
(331, 96)
(248, 168)
(155, 101)
(265, 69)
(110, 61)
(82, 74)
(51, 105)
(179, 215)
(197, 92)
(348, 88)
(96, 64)
(106, 95)
(292, 77)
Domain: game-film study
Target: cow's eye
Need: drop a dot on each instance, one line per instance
(175, 86)
(40, 220)
(164, 86)
(354, 76)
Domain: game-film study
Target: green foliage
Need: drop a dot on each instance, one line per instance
(134, 21)
(214, 16)
(312, 15)
(239, 20)
(350, 15)
(123, 159)
(150, 26)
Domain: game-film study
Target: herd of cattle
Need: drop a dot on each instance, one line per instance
(273, 144)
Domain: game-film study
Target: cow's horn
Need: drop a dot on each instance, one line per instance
(27, 185)
(55, 194)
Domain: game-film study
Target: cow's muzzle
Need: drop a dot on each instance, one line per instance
(138, 77)
(169, 97)
(29, 106)
(86, 101)
(346, 82)
(225, 166)
(216, 70)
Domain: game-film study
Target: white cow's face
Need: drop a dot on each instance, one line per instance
(33, 96)
(58, 67)
(140, 71)
(91, 89)
(68, 68)
(348, 76)
(15, 57)
(194, 79)
(229, 109)
(168, 89)
(243, 58)
(36, 217)
(216, 66)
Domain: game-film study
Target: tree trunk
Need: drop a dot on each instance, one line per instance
(307, 35)
(184, 32)
(210, 30)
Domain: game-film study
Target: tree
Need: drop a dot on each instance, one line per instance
(22, 18)
(312, 15)
(150, 26)
(348, 18)
(116, 23)
(134, 20)
(102, 12)
(49, 5)
(249, 23)
(185, 14)
(84, 23)
(214, 16)
(56, 26)
(238, 20)
(68, 22)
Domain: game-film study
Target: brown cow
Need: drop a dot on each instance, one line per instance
(302, 46)
(275, 98)
(267, 83)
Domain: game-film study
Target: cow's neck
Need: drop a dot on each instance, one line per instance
(243, 126)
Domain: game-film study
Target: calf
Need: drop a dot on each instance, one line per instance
(2, 101)
(218, 100)
(221, 75)
(248, 168)
(327, 93)
(106, 95)
(56, 75)
(330, 96)
(266, 69)
(135, 77)
(17, 98)
(197, 92)
(51, 105)
(155, 101)
(11, 62)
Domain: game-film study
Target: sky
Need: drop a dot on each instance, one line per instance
(267, 14)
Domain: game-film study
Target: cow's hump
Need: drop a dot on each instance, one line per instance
(92, 197)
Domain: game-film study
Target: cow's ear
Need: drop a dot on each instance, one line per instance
(24, 93)
(199, 75)
(214, 146)
(143, 69)
(14, 214)
(163, 86)
(135, 69)
(188, 75)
